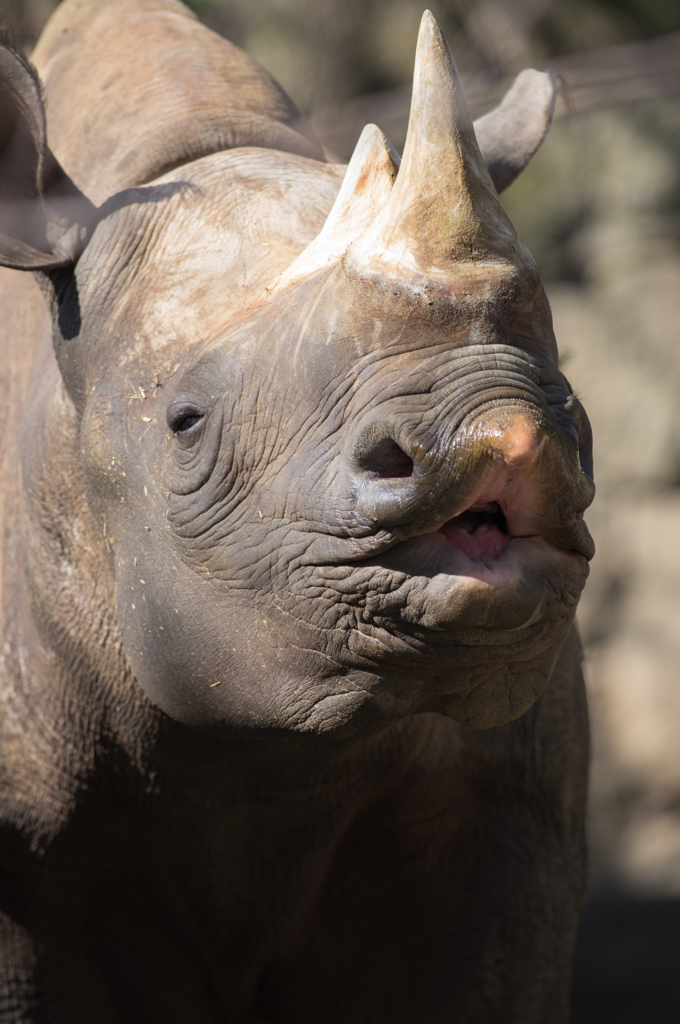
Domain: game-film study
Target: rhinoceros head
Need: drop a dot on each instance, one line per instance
(339, 474)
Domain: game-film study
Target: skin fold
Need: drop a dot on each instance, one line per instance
(293, 725)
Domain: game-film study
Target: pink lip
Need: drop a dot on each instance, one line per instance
(502, 508)
(483, 543)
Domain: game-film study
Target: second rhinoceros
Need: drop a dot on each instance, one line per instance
(292, 723)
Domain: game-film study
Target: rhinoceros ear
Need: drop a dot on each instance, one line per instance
(44, 218)
(509, 135)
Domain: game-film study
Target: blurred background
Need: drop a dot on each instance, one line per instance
(599, 207)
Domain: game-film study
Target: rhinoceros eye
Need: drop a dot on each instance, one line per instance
(182, 418)
(186, 424)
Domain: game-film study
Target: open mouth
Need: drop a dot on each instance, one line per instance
(481, 531)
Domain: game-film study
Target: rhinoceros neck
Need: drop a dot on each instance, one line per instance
(137, 87)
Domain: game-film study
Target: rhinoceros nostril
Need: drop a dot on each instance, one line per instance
(386, 460)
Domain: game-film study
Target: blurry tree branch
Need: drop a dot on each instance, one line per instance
(498, 31)
(594, 79)
(623, 74)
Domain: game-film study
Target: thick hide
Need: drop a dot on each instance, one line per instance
(292, 721)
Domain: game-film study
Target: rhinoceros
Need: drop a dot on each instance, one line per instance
(293, 720)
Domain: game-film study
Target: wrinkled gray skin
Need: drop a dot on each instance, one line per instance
(263, 759)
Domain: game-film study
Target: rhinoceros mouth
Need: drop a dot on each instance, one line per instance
(503, 562)
(503, 479)
(501, 510)
(481, 532)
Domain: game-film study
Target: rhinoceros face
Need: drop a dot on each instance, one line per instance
(364, 514)
(358, 500)
(338, 487)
